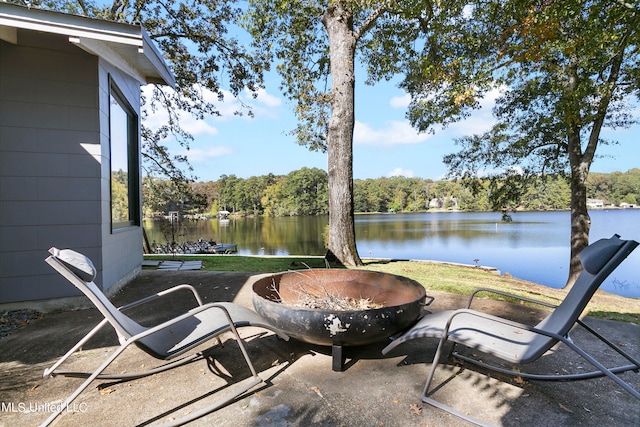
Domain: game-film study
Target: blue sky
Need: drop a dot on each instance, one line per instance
(384, 142)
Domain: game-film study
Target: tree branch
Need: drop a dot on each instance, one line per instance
(610, 87)
(371, 19)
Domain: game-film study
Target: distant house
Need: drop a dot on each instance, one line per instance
(595, 203)
(439, 203)
(70, 148)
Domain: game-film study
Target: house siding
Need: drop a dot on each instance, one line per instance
(54, 167)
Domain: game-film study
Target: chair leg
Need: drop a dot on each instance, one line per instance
(604, 369)
(216, 405)
(50, 371)
(84, 385)
(255, 380)
(132, 375)
(434, 365)
(243, 348)
(430, 401)
(613, 346)
(544, 377)
(456, 413)
(601, 371)
(97, 374)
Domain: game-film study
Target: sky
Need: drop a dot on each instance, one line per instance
(384, 142)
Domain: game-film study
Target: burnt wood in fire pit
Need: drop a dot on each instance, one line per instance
(386, 304)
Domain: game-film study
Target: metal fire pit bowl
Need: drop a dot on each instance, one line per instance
(399, 302)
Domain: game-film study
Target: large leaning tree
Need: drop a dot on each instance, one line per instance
(569, 69)
(207, 61)
(316, 46)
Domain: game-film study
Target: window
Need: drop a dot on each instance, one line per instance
(123, 140)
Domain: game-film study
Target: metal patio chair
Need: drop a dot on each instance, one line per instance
(168, 340)
(519, 343)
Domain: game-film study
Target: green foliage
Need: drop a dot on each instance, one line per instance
(566, 70)
(292, 35)
(304, 192)
(160, 196)
(547, 193)
(615, 187)
(119, 196)
(301, 192)
(315, 46)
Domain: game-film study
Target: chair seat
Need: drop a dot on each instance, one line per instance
(170, 342)
(488, 334)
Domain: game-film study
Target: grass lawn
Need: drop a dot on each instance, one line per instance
(432, 275)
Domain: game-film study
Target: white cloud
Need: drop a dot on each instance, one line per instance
(401, 172)
(395, 132)
(264, 105)
(188, 122)
(468, 10)
(200, 155)
(481, 120)
(267, 99)
(400, 101)
(195, 126)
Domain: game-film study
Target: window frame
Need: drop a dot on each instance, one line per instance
(133, 160)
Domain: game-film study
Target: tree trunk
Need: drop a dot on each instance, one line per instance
(580, 163)
(342, 44)
(580, 220)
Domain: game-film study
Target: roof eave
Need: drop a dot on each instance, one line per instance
(127, 46)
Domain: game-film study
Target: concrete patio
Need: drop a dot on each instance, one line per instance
(300, 387)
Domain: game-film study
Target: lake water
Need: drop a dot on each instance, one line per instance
(534, 246)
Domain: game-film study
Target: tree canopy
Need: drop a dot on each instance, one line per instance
(566, 70)
(304, 192)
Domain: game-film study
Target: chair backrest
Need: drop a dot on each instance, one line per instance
(598, 261)
(80, 271)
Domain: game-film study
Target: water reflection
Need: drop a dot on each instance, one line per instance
(534, 246)
(254, 236)
(461, 228)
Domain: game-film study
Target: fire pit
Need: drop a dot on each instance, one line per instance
(338, 307)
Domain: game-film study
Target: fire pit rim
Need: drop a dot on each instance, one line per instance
(364, 271)
(414, 305)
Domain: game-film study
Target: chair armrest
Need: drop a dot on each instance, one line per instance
(497, 319)
(181, 317)
(163, 293)
(510, 295)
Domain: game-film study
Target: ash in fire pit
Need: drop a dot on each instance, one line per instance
(338, 307)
